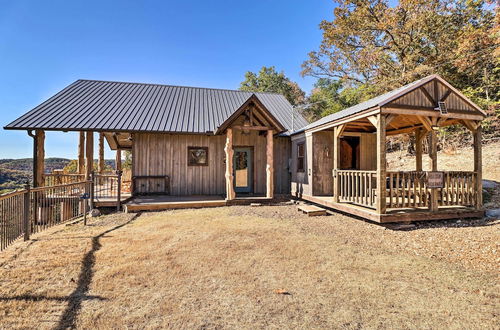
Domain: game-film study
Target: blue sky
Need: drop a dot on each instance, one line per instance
(46, 45)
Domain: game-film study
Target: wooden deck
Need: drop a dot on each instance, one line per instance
(397, 214)
(165, 202)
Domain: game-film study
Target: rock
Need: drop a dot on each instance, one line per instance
(95, 213)
(255, 204)
(489, 184)
(493, 213)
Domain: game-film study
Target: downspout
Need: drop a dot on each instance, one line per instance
(35, 157)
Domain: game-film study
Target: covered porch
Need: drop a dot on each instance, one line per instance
(349, 155)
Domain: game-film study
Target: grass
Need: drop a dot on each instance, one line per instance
(223, 267)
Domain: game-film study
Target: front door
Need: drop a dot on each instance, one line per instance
(242, 166)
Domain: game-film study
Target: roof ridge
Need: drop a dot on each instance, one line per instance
(181, 86)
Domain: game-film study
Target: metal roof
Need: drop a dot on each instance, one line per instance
(123, 106)
(380, 101)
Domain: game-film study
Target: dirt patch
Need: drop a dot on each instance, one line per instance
(252, 267)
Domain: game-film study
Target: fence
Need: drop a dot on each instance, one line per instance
(54, 179)
(357, 187)
(32, 210)
(409, 189)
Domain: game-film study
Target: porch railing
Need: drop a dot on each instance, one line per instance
(32, 210)
(408, 189)
(54, 179)
(357, 187)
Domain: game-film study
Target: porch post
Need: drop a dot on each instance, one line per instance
(433, 155)
(270, 165)
(478, 167)
(100, 164)
(89, 154)
(230, 194)
(337, 132)
(118, 160)
(39, 169)
(419, 134)
(81, 153)
(381, 165)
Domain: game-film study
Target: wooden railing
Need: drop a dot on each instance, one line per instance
(357, 187)
(408, 189)
(54, 179)
(32, 210)
(459, 189)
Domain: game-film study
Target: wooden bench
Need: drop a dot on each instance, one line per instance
(311, 210)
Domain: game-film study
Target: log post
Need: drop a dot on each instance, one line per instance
(40, 158)
(419, 134)
(381, 165)
(230, 194)
(478, 167)
(433, 205)
(270, 165)
(100, 164)
(337, 132)
(118, 160)
(89, 155)
(81, 153)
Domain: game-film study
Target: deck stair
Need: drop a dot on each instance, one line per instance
(311, 210)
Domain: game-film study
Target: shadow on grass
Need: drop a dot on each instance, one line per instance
(75, 299)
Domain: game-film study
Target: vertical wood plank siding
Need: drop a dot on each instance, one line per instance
(166, 154)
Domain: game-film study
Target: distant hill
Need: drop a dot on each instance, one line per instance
(14, 173)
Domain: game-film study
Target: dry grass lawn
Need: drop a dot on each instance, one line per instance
(225, 267)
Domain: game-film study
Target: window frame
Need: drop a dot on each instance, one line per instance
(189, 163)
(301, 159)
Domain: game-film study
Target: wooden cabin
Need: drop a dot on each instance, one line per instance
(212, 147)
(206, 144)
(339, 161)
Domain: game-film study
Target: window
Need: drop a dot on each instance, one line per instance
(300, 157)
(197, 156)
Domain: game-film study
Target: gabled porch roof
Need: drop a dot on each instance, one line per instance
(419, 98)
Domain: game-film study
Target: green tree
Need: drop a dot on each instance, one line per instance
(269, 80)
(372, 42)
(330, 96)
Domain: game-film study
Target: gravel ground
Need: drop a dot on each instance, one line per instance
(473, 244)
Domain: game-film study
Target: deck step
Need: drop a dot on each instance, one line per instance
(311, 210)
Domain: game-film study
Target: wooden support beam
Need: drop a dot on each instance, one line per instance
(270, 165)
(39, 168)
(389, 118)
(81, 153)
(478, 168)
(89, 155)
(419, 134)
(100, 164)
(433, 205)
(428, 96)
(471, 125)
(445, 96)
(426, 122)
(230, 194)
(250, 128)
(118, 160)
(337, 132)
(373, 120)
(381, 165)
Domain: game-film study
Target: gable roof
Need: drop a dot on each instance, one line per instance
(138, 107)
(387, 98)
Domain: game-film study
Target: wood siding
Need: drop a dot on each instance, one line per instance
(166, 154)
(317, 178)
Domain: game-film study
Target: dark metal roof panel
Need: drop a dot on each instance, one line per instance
(121, 106)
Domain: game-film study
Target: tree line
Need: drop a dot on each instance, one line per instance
(371, 47)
